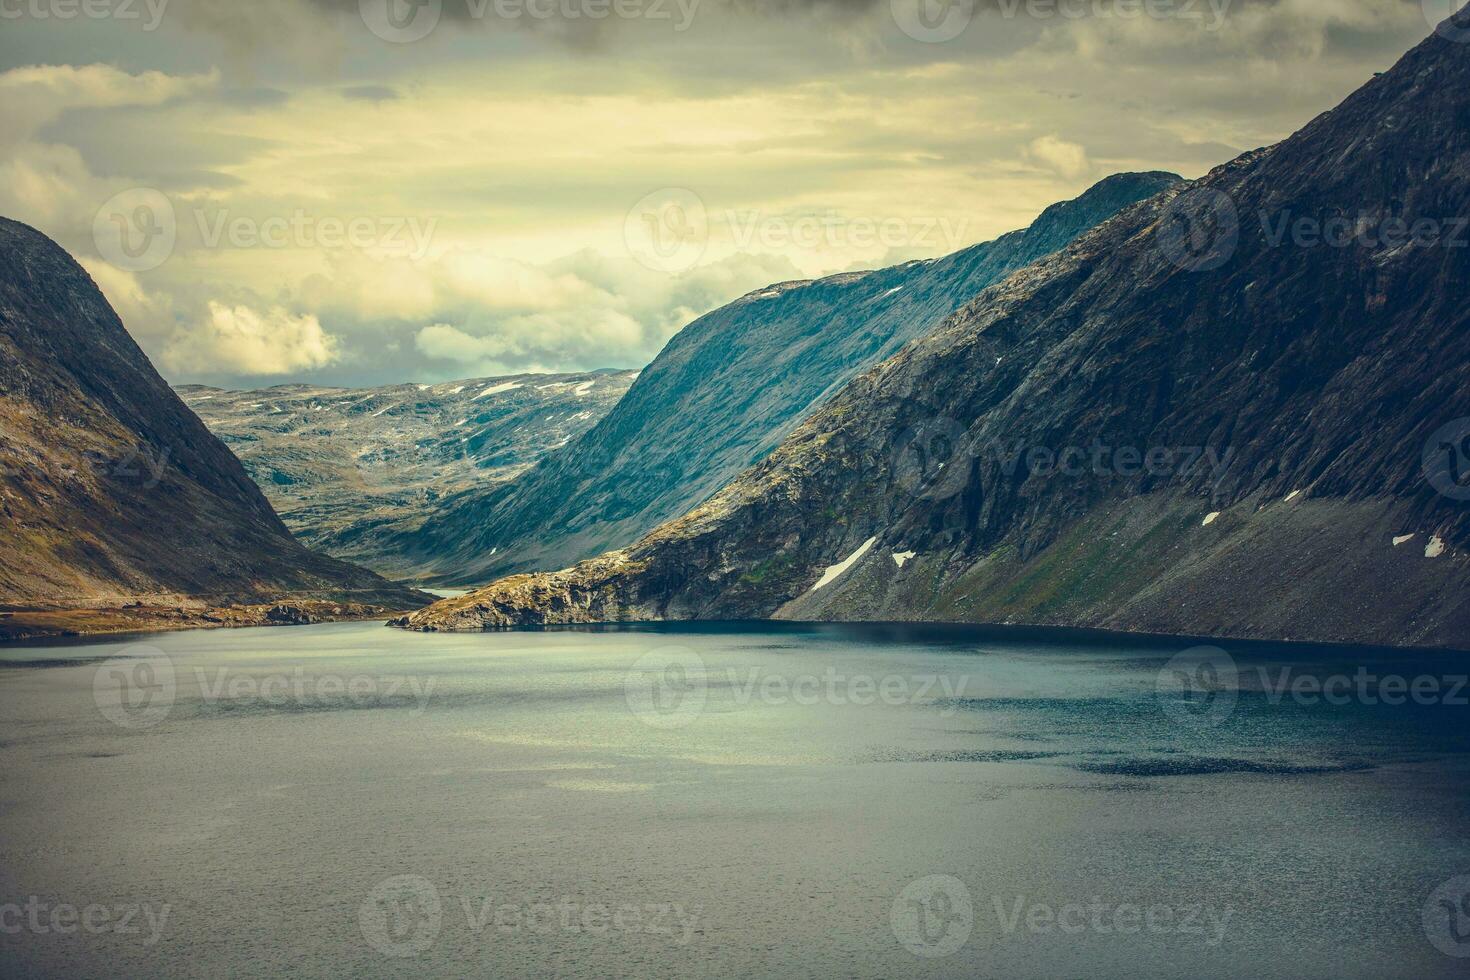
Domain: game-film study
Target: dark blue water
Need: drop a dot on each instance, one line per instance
(350, 800)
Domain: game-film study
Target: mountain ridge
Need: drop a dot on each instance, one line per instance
(722, 394)
(112, 491)
(340, 465)
(1326, 374)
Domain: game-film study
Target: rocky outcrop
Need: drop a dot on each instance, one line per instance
(1236, 409)
(111, 490)
(348, 468)
(722, 395)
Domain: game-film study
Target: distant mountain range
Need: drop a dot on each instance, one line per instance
(113, 494)
(1237, 409)
(726, 391)
(342, 464)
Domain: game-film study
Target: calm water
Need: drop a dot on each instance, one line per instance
(351, 801)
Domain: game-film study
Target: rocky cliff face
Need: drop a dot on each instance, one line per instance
(346, 468)
(111, 490)
(724, 392)
(1237, 409)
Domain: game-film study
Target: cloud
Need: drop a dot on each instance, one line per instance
(1068, 160)
(241, 341)
(487, 314)
(37, 94)
(48, 184)
(371, 93)
(786, 112)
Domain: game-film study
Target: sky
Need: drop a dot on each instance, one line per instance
(365, 192)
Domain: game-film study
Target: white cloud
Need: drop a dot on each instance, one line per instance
(1066, 160)
(239, 340)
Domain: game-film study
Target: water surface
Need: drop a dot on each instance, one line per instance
(347, 800)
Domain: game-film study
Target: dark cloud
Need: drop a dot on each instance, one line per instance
(371, 93)
(253, 98)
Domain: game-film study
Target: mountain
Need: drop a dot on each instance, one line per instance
(724, 392)
(112, 491)
(1285, 414)
(341, 464)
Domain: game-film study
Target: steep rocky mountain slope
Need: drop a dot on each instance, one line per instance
(341, 464)
(1285, 419)
(111, 490)
(723, 393)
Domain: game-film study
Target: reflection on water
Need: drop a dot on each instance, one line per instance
(348, 800)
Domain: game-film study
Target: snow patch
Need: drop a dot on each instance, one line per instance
(379, 412)
(834, 572)
(1434, 548)
(895, 289)
(582, 389)
(1402, 539)
(457, 390)
(1210, 519)
(497, 389)
(900, 557)
(1292, 496)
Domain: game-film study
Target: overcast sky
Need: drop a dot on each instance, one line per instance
(370, 192)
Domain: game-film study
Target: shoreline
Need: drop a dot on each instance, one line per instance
(26, 625)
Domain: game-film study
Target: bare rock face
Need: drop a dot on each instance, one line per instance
(111, 490)
(722, 395)
(1239, 409)
(348, 468)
